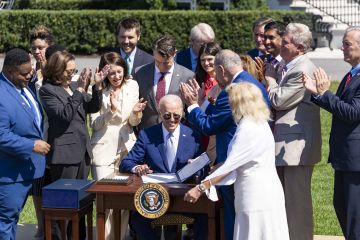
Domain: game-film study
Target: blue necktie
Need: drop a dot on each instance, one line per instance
(128, 63)
(170, 151)
(33, 108)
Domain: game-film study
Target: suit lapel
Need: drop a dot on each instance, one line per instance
(291, 69)
(161, 148)
(180, 148)
(13, 92)
(354, 82)
(149, 85)
(175, 80)
(137, 60)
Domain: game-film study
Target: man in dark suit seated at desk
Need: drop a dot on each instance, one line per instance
(164, 148)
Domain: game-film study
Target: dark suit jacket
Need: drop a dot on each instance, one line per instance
(150, 149)
(68, 134)
(141, 58)
(145, 78)
(18, 131)
(345, 131)
(253, 53)
(183, 58)
(218, 119)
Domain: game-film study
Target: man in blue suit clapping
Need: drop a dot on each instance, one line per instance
(22, 152)
(164, 148)
(217, 119)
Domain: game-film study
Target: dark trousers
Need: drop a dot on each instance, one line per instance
(347, 203)
(227, 194)
(144, 231)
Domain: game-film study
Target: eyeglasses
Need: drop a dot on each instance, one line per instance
(71, 73)
(167, 116)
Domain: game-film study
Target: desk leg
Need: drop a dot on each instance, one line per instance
(75, 228)
(117, 223)
(100, 216)
(47, 229)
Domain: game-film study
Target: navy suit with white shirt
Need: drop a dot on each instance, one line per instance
(217, 120)
(19, 164)
(187, 58)
(344, 153)
(150, 149)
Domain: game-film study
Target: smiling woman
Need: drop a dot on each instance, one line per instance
(112, 126)
(66, 107)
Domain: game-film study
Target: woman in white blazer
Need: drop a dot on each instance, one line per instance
(113, 135)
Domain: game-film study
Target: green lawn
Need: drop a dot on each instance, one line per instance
(322, 186)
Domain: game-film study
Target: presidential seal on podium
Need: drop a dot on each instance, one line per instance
(151, 200)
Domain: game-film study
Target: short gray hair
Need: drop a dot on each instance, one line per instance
(228, 59)
(202, 32)
(170, 98)
(301, 34)
(353, 28)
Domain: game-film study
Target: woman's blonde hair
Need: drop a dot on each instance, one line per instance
(246, 100)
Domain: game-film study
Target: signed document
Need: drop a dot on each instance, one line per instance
(180, 176)
(159, 178)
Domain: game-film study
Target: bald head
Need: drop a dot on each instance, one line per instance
(227, 64)
(229, 60)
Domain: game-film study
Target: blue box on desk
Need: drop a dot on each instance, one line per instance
(67, 193)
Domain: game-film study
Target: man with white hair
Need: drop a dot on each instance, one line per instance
(164, 148)
(200, 34)
(297, 130)
(217, 119)
(345, 131)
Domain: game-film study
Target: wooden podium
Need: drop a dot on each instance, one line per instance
(119, 197)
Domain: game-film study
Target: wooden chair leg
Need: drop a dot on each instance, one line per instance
(63, 228)
(179, 231)
(89, 226)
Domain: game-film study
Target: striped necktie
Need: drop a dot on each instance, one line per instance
(33, 108)
(160, 90)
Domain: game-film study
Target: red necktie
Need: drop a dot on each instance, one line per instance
(160, 90)
(348, 79)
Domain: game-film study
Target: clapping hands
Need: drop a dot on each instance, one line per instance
(191, 92)
(83, 81)
(319, 85)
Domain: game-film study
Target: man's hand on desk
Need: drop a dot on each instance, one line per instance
(143, 170)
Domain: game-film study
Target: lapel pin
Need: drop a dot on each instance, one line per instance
(184, 135)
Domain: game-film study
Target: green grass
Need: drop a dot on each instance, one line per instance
(322, 188)
(322, 183)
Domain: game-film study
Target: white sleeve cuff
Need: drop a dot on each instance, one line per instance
(133, 169)
(192, 107)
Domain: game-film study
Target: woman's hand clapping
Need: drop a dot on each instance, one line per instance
(83, 81)
(101, 75)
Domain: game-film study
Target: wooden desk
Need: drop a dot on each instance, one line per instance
(122, 197)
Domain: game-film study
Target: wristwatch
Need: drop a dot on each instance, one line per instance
(201, 187)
